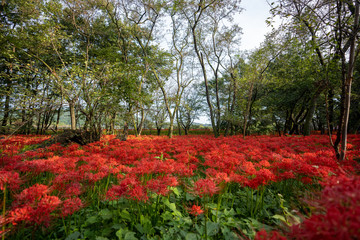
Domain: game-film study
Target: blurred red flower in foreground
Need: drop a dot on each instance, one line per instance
(196, 210)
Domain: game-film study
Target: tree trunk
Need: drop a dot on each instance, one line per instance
(246, 115)
(38, 123)
(202, 63)
(186, 131)
(58, 118)
(6, 110)
(178, 122)
(344, 121)
(112, 123)
(125, 134)
(310, 112)
(135, 126)
(72, 114)
(331, 110)
(140, 126)
(171, 127)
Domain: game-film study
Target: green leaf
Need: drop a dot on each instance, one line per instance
(130, 236)
(230, 212)
(88, 233)
(172, 207)
(140, 228)
(175, 191)
(73, 236)
(105, 214)
(146, 224)
(125, 214)
(191, 236)
(106, 231)
(101, 238)
(167, 216)
(189, 197)
(120, 233)
(279, 217)
(91, 220)
(116, 226)
(212, 228)
(228, 235)
(199, 229)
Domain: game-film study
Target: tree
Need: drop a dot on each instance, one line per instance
(189, 110)
(209, 16)
(21, 76)
(158, 112)
(333, 29)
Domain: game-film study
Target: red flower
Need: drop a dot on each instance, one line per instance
(29, 195)
(129, 188)
(205, 187)
(41, 212)
(160, 185)
(137, 193)
(20, 214)
(12, 179)
(70, 206)
(338, 216)
(196, 210)
(273, 235)
(73, 190)
(116, 191)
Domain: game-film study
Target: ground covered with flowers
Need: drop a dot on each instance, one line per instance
(187, 187)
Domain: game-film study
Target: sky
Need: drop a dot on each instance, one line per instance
(252, 21)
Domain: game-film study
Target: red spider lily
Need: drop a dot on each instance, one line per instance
(264, 163)
(337, 223)
(205, 187)
(217, 176)
(129, 188)
(71, 205)
(10, 179)
(243, 181)
(116, 191)
(306, 180)
(37, 212)
(262, 177)
(284, 176)
(34, 205)
(137, 193)
(74, 189)
(196, 210)
(338, 214)
(273, 235)
(252, 162)
(22, 214)
(32, 194)
(41, 211)
(160, 185)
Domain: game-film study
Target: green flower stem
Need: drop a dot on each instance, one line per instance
(259, 199)
(219, 201)
(4, 211)
(205, 216)
(107, 183)
(155, 213)
(65, 227)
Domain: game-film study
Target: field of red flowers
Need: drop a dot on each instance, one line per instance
(187, 187)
